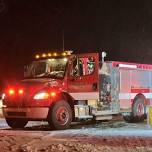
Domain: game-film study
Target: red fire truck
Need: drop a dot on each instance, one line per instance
(64, 87)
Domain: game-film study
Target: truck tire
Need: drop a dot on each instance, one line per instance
(16, 122)
(60, 115)
(138, 111)
(128, 117)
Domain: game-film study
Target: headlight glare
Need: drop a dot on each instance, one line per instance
(41, 95)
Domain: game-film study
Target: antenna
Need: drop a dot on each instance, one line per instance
(63, 40)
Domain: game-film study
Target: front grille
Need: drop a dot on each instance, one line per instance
(16, 101)
(22, 114)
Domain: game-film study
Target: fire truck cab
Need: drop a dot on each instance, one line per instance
(65, 87)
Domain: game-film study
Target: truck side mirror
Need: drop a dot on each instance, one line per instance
(26, 68)
(104, 54)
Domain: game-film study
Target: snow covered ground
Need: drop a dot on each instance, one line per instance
(97, 137)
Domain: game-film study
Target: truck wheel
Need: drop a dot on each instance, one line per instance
(60, 115)
(128, 117)
(16, 122)
(138, 111)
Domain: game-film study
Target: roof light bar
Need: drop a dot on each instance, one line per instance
(53, 54)
(49, 54)
(37, 56)
(44, 55)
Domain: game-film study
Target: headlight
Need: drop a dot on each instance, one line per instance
(41, 95)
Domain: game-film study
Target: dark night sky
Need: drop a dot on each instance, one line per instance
(123, 28)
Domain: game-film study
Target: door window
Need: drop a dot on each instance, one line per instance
(83, 66)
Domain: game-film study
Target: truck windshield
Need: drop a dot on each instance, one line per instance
(49, 68)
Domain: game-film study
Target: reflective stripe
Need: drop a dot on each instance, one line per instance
(132, 95)
(137, 90)
(127, 66)
(85, 95)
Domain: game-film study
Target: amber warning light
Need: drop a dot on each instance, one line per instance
(54, 54)
(53, 94)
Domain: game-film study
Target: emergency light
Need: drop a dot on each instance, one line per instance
(53, 54)
(12, 91)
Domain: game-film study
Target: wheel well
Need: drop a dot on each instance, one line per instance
(68, 98)
(140, 95)
(70, 101)
(133, 116)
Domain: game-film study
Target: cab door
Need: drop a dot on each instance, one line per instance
(83, 76)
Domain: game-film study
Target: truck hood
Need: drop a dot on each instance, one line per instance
(36, 84)
(31, 87)
(42, 82)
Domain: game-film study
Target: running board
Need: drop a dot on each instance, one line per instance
(85, 117)
(108, 117)
(103, 113)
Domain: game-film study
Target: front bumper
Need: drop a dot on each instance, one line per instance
(27, 113)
